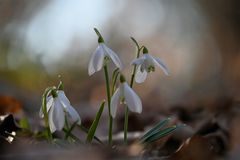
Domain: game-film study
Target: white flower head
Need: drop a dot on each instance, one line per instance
(58, 106)
(126, 94)
(100, 56)
(146, 64)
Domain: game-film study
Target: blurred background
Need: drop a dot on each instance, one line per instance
(197, 39)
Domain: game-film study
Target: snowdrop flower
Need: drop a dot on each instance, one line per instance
(146, 64)
(128, 96)
(101, 56)
(58, 106)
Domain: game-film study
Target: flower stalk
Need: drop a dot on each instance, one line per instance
(44, 110)
(131, 85)
(110, 120)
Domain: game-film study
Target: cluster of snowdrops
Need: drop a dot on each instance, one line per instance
(59, 115)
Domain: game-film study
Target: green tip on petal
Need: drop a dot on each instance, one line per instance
(122, 78)
(54, 93)
(145, 50)
(60, 86)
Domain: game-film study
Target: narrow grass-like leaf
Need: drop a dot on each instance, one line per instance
(84, 129)
(161, 134)
(94, 125)
(72, 136)
(70, 129)
(155, 129)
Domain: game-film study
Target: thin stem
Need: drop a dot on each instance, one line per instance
(97, 32)
(131, 85)
(66, 127)
(44, 109)
(110, 123)
(114, 80)
(135, 67)
(126, 125)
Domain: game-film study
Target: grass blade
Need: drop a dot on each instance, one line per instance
(84, 129)
(72, 136)
(69, 131)
(94, 125)
(161, 134)
(155, 129)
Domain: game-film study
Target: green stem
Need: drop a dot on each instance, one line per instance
(110, 123)
(114, 80)
(131, 85)
(135, 68)
(44, 109)
(126, 125)
(66, 127)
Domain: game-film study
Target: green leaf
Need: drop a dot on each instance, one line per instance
(24, 124)
(155, 129)
(162, 133)
(72, 135)
(84, 129)
(69, 131)
(94, 125)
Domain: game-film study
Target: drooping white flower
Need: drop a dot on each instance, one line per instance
(58, 106)
(100, 56)
(126, 94)
(146, 64)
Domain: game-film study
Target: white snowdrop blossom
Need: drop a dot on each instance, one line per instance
(101, 55)
(126, 95)
(58, 106)
(146, 64)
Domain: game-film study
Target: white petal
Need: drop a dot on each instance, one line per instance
(73, 115)
(50, 120)
(133, 101)
(140, 76)
(49, 101)
(96, 61)
(113, 56)
(56, 116)
(63, 97)
(161, 64)
(115, 102)
(138, 61)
